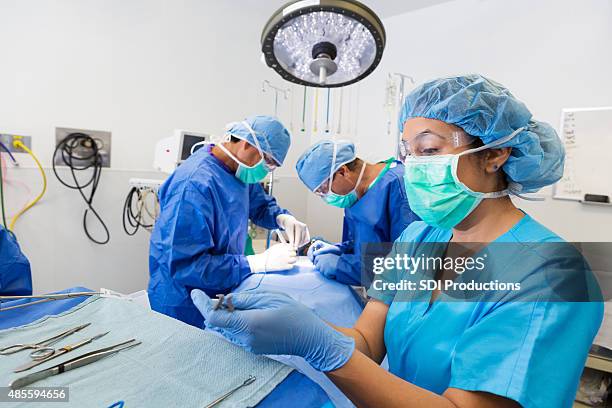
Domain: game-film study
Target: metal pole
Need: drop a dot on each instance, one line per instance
(276, 90)
(403, 78)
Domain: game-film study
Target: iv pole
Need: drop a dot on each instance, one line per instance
(285, 93)
(402, 91)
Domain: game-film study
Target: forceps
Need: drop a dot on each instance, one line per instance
(246, 382)
(80, 361)
(224, 301)
(41, 349)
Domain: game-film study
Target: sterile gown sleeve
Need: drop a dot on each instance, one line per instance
(348, 268)
(193, 261)
(400, 213)
(396, 217)
(15, 273)
(263, 208)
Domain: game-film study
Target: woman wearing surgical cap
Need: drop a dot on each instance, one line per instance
(373, 198)
(469, 143)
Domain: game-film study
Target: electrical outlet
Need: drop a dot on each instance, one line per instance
(7, 140)
(102, 138)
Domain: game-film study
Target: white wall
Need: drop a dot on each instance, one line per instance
(142, 68)
(139, 69)
(552, 54)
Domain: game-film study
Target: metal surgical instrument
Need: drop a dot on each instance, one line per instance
(228, 302)
(76, 362)
(246, 382)
(42, 299)
(41, 346)
(56, 353)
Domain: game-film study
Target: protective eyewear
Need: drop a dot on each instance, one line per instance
(323, 189)
(271, 163)
(429, 144)
(269, 160)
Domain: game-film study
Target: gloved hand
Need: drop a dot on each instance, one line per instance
(274, 323)
(327, 264)
(296, 230)
(279, 257)
(320, 247)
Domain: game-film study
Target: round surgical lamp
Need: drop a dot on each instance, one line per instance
(323, 43)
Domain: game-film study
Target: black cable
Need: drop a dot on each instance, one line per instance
(74, 149)
(134, 219)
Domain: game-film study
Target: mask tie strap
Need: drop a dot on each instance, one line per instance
(202, 143)
(515, 189)
(495, 143)
(363, 166)
(252, 132)
(331, 170)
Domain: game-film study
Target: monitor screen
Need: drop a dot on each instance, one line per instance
(188, 142)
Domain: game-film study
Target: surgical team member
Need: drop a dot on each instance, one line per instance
(15, 273)
(469, 143)
(373, 198)
(200, 236)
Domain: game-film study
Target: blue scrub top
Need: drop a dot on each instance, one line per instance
(199, 239)
(15, 273)
(528, 351)
(380, 215)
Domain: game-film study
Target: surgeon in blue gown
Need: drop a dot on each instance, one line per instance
(15, 273)
(376, 209)
(469, 144)
(200, 236)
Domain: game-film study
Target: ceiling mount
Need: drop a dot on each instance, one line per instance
(323, 43)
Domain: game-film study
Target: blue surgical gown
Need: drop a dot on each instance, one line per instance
(15, 273)
(199, 239)
(532, 352)
(378, 216)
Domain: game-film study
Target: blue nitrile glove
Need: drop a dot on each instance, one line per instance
(320, 247)
(274, 323)
(327, 264)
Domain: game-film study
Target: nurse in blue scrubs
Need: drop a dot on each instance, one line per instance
(469, 144)
(373, 198)
(15, 273)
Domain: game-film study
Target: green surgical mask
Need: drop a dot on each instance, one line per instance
(436, 194)
(346, 200)
(252, 175)
(249, 174)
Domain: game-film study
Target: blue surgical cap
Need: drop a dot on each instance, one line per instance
(315, 165)
(273, 137)
(486, 109)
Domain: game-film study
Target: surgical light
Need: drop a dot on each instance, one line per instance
(323, 43)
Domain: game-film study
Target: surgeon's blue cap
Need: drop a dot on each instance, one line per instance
(486, 109)
(273, 137)
(315, 165)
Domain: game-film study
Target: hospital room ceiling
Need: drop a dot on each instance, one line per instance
(384, 8)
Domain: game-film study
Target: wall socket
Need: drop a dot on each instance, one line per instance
(8, 140)
(102, 138)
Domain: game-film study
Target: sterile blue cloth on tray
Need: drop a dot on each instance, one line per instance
(24, 315)
(176, 364)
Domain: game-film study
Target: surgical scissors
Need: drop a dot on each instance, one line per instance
(57, 353)
(42, 347)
